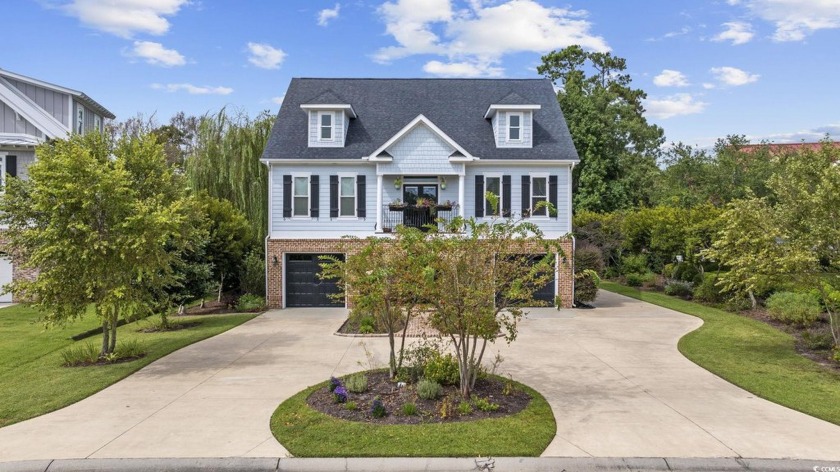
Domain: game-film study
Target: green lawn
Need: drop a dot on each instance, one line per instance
(752, 355)
(309, 433)
(33, 380)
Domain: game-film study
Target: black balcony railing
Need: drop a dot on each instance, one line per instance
(417, 216)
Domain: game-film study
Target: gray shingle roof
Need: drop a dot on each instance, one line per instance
(385, 106)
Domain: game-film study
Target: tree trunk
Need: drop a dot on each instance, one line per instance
(115, 317)
(221, 286)
(402, 340)
(106, 333)
(752, 298)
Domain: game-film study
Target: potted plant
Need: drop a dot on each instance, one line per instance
(397, 205)
(398, 183)
(424, 203)
(446, 206)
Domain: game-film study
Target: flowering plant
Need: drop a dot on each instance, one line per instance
(334, 383)
(377, 409)
(340, 394)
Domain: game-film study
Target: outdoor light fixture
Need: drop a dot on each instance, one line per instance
(442, 182)
(274, 260)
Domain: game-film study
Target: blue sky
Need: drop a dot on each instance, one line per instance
(764, 68)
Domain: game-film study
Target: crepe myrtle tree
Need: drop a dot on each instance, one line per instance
(385, 280)
(101, 221)
(479, 279)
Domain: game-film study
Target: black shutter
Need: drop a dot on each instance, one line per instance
(526, 195)
(287, 196)
(11, 165)
(333, 196)
(479, 196)
(361, 201)
(313, 195)
(506, 196)
(552, 192)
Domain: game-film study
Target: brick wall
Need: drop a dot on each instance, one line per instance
(278, 248)
(18, 271)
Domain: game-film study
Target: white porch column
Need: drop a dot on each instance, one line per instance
(379, 203)
(461, 201)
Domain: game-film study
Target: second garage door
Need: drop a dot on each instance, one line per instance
(545, 293)
(304, 288)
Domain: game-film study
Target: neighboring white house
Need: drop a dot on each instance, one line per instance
(360, 156)
(31, 112)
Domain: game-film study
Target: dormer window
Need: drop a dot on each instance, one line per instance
(514, 127)
(325, 119)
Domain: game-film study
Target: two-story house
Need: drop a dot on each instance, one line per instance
(31, 112)
(357, 157)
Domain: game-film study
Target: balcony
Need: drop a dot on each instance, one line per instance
(416, 216)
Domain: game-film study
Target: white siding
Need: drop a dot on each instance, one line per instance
(10, 122)
(323, 226)
(54, 103)
(420, 152)
(500, 129)
(340, 121)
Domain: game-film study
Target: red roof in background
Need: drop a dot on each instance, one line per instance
(787, 147)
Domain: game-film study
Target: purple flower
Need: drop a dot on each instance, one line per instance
(340, 394)
(334, 383)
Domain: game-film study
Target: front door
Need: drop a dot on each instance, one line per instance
(419, 216)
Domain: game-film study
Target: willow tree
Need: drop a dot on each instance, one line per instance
(226, 163)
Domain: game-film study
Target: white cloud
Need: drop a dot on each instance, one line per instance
(808, 135)
(708, 85)
(675, 105)
(671, 34)
(265, 56)
(157, 55)
(125, 18)
(796, 19)
(478, 36)
(671, 78)
(278, 100)
(733, 76)
(462, 69)
(193, 89)
(738, 32)
(327, 14)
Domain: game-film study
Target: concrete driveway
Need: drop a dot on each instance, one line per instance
(613, 376)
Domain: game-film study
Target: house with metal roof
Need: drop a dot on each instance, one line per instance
(33, 111)
(358, 157)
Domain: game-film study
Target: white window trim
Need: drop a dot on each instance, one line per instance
(332, 127)
(97, 123)
(79, 127)
(494, 175)
(541, 175)
(345, 175)
(3, 172)
(521, 116)
(308, 177)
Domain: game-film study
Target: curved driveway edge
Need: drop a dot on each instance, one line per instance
(540, 464)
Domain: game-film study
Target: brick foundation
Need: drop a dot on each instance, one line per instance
(278, 248)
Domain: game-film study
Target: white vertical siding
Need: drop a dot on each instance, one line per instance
(54, 103)
(9, 123)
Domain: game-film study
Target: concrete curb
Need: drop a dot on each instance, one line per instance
(432, 464)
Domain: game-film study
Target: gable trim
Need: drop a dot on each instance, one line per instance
(494, 108)
(348, 109)
(30, 110)
(410, 126)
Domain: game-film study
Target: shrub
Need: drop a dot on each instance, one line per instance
(377, 409)
(589, 257)
(356, 383)
(409, 409)
(446, 408)
(509, 388)
(340, 394)
(252, 278)
(668, 271)
(334, 384)
(464, 408)
(634, 264)
(707, 291)
(130, 349)
(634, 280)
(484, 404)
(428, 389)
(442, 369)
(250, 302)
(817, 340)
(794, 308)
(686, 272)
(352, 406)
(415, 359)
(586, 285)
(678, 288)
(80, 354)
(367, 325)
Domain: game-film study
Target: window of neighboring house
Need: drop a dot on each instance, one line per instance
(97, 123)
(80, 119)
(300, 196)
(494, 186)
(2, 172)
(325, 122)
(347, 196)
(539, 193)
(514, 125)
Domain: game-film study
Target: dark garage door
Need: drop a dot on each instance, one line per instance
(303, 287)
(545, 293)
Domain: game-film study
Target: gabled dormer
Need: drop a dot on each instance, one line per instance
(513, 121)
(329, 119)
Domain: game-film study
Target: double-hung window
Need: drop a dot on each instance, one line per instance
(493, 184)
(539, 193)
(514, 127)
(325, 125)
(347, 196)
(300, 196)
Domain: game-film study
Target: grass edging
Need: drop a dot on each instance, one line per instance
(752, 355)
(305, 432)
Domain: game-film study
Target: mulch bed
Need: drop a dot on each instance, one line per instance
(428, 411)
(101, 362)
(173, 326)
